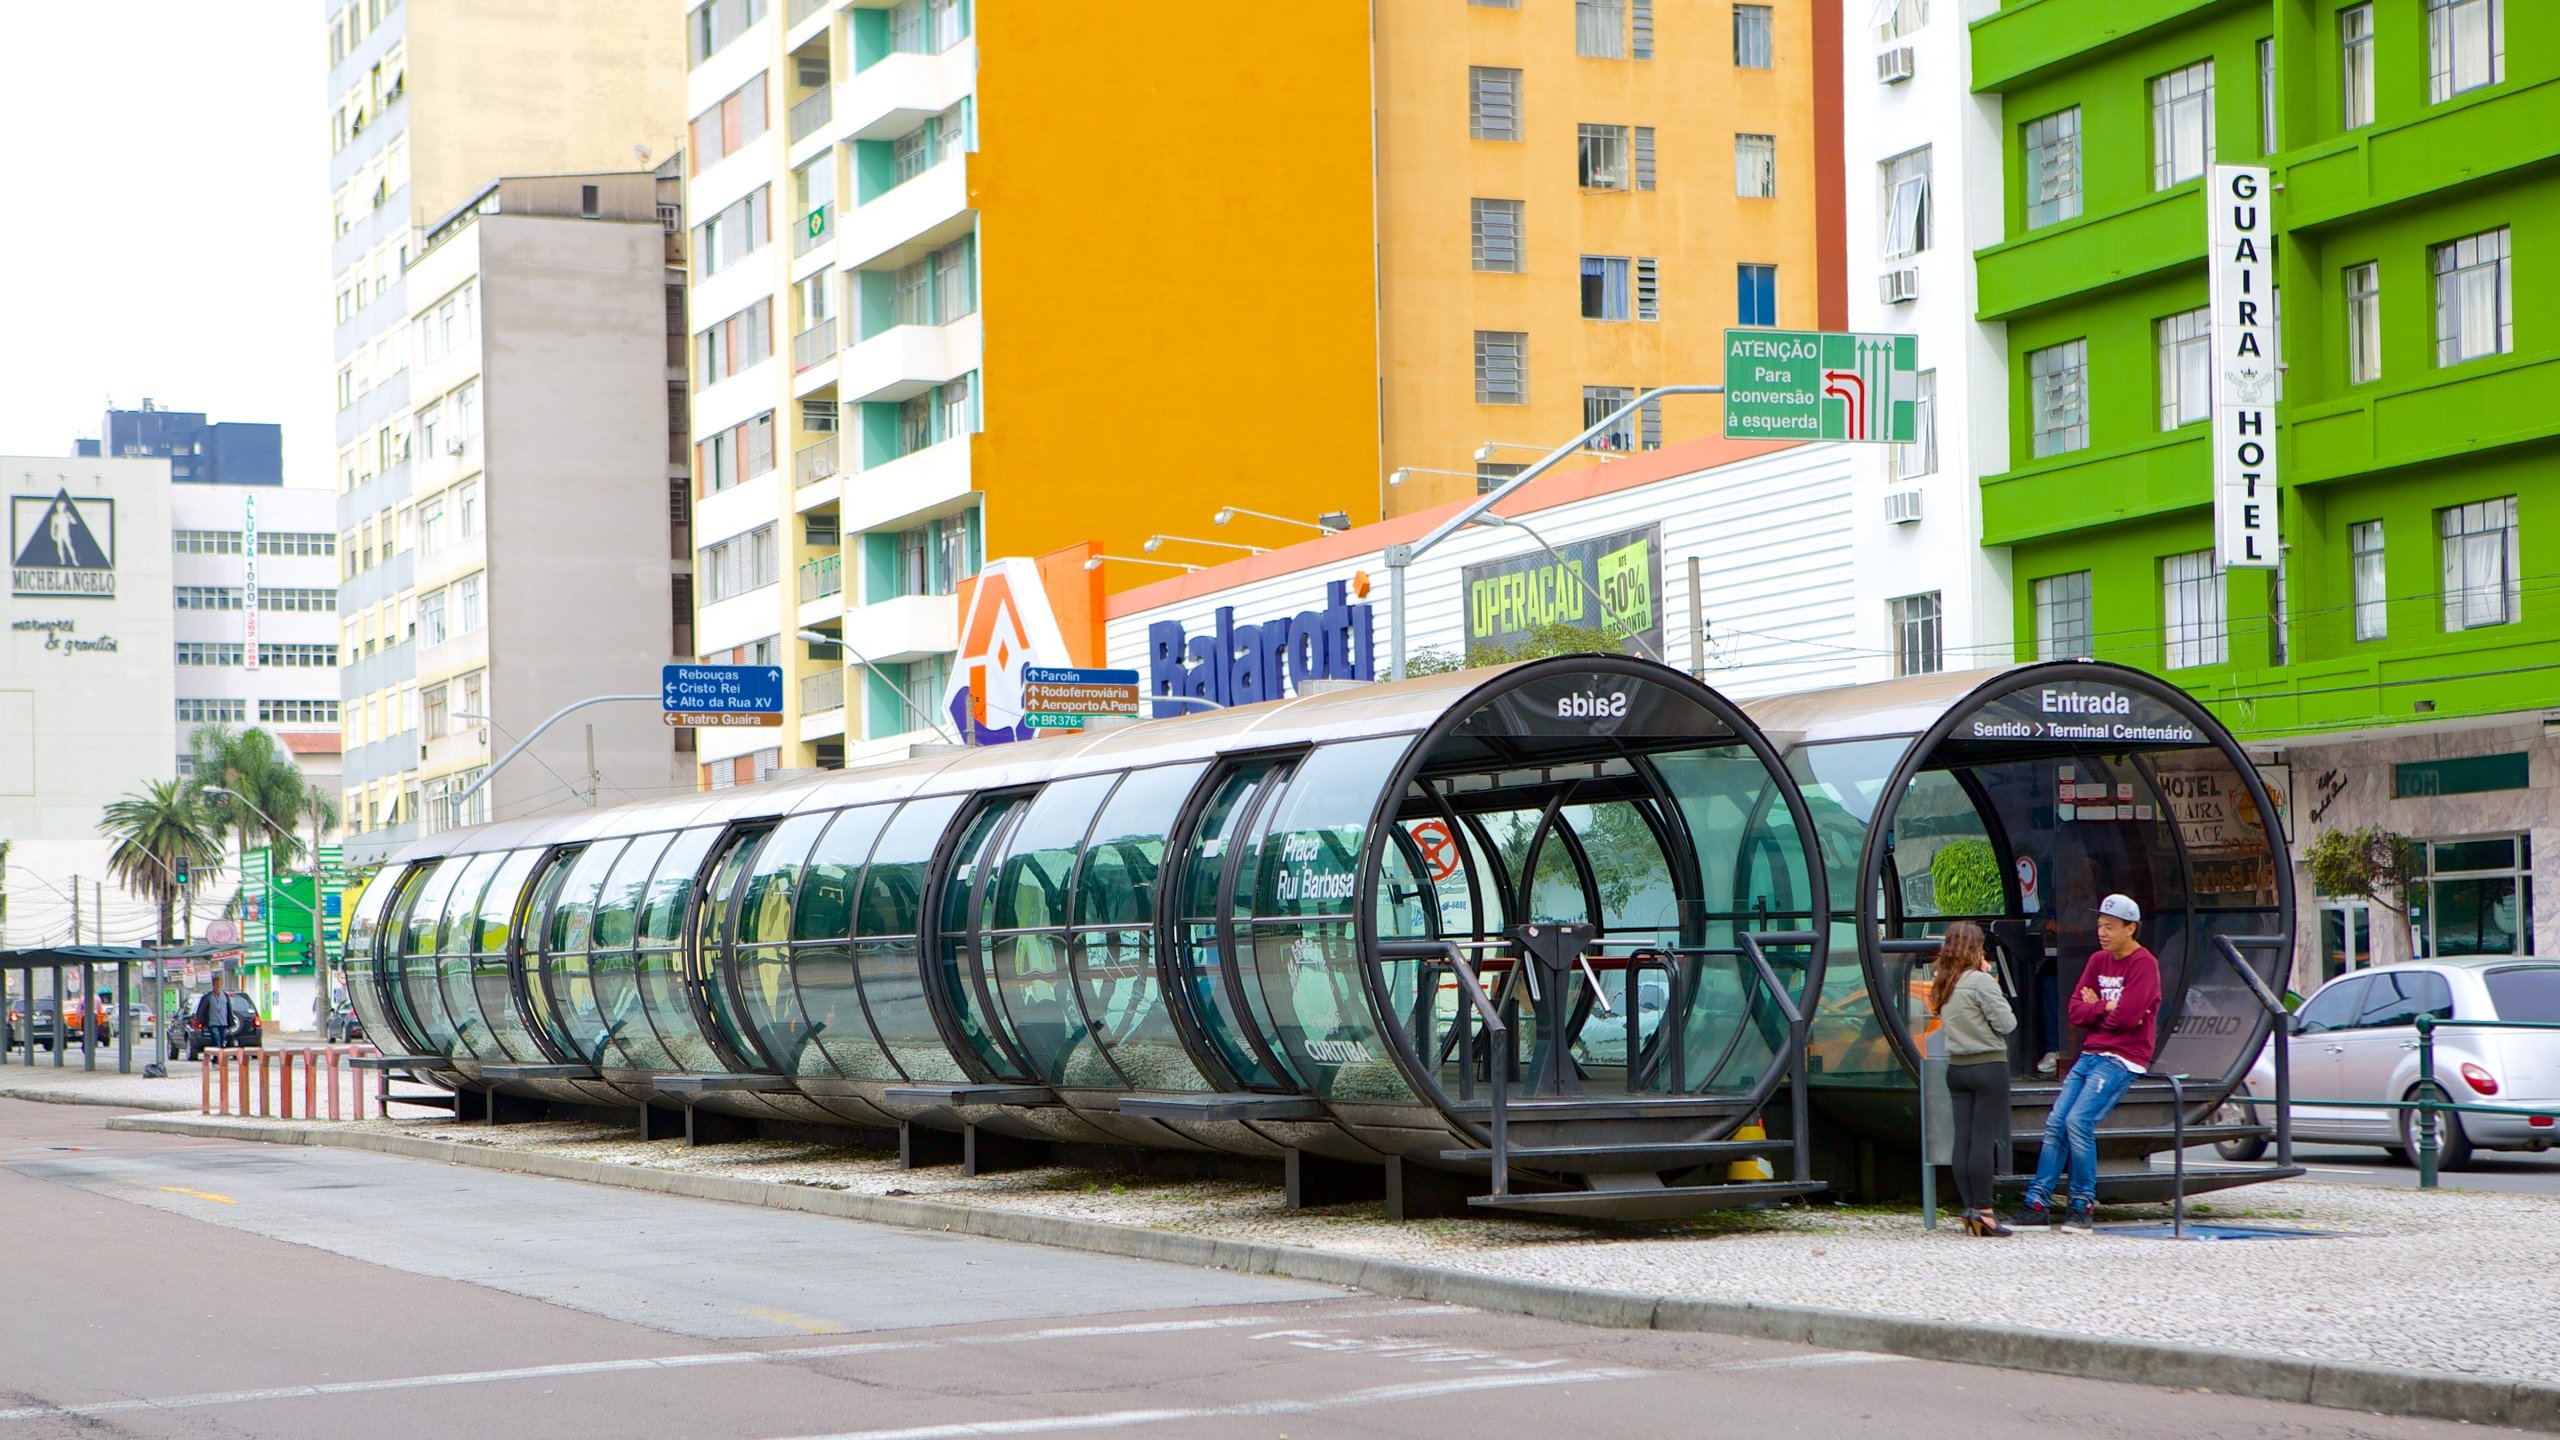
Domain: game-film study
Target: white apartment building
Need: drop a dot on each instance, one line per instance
(254, 579)
(1923, 192)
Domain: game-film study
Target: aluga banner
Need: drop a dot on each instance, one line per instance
(2241, 286)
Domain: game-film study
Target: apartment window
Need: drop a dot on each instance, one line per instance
(933, 559)
(1755, 295)
(297, 712)
(1752, 44)
(2466, 46)
(1917, 643)
(1905, 204)
(208, 653)
(2186, 367)
(205, 542)
(712, 25)
(742, 340)
(2363, 287)
(298, 600)
(735, 455)
(2280, 619)
(1602, 158)
(2192, 601)
(2062, 617)
(1600, 29)
(2482, 583)
(1898, 18)
(734, 233)
(1491, 475)
(1502, 367)
(467, 508)
(738, 565)
(941, 413)
(299, 657)
(2058, 397)
(2181, 125)
(213, 712)
(2477, 894)
(465, 405)
(2266, 97)
(1495, 229)
(1648, 288)
(1755, 166)
(206, 597)
(1598, 401)
(1493, 103)
(2371, 580)
(955, 280)
(2053, 168)
(467, 603)
(726, 128)
(1604, 288)
(2474, 309)
(2355, 66)
(1920, 457)
(1644, 157)
(434, 717)
(431, 618)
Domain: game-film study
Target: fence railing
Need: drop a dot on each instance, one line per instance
(813, 112)
(803, 9)
(822, 577)
(813, 229)
(814, 344)
(822, 691)
(265, 1081)
(814, 462)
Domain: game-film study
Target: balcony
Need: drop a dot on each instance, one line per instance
(811, 113)
(815, 229)
(813, 463)
(2156, 234)
(898, 92)
(910, 627)
(907, 360)
(813, 345)
(802, 10)
(822, 577)
(931, 481)
(898, 225)
(822, 691)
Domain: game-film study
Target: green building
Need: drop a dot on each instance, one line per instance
(2402, 666)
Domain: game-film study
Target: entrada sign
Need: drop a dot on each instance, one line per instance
(1242, 664)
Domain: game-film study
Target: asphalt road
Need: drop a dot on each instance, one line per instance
(158, 1286)
(2518, 1171)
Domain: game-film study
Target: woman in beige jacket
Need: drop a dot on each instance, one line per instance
(1976, 1020)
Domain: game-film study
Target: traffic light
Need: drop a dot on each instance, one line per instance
(179, 871)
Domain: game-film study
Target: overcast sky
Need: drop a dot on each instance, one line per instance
(165, 231)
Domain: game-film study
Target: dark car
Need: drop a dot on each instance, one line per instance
(345, 1026)
(43, 1021)
(189, 1039)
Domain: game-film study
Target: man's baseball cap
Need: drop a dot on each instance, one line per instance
(2121, 907)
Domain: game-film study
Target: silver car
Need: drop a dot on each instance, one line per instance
(2357, 1040)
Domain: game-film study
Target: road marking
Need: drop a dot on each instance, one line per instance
(1807, 1362)
(200, 1194)
(805, 1323)
(1127, 1419)
(2337, 1170)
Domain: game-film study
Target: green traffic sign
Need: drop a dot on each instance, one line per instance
(1818, 385)
(1051, 720)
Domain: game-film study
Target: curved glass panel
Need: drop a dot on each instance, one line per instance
(711, 992)
(1115, 939)
(887, 923)
(412, 987)
(493, 967)
(1024, 957)
(1843, 783)
(611, 964)
(534, 939)
(453, 957)
(1213, 983)
(1305, 955)
(364, 962)
(960, 979)
(760, 966)
(665, 997)
(568, 975)
(822, 954)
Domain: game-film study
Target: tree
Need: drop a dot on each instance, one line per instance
(2372, 863)
(157, 829)
(264, 792)
(1964, 879)
(1546, 640)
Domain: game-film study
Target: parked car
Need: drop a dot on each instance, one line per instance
(145, 1024)
(189, 1039)
(2357, 1040)
(345, 1026)
(71, 1023)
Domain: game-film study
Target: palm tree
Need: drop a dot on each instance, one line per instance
(264, 791)
(155, 828)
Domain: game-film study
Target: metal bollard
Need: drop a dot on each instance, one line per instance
(2427, 1146)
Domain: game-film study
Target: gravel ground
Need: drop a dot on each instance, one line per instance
(2446, 1280)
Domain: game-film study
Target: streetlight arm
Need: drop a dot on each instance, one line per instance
(1232, 510)
(535, 734)
(816, 637)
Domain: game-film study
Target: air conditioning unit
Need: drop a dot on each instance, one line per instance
(1894, 65)
(1899, 287)
(1902, 507)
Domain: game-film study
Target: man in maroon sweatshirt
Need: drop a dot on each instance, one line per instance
(2113, 1008)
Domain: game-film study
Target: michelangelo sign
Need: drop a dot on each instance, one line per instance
(59, 546)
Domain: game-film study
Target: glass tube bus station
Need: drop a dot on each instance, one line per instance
(1562, 937)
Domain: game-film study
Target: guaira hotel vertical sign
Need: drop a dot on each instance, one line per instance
(2240, 288)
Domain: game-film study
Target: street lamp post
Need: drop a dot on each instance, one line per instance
(1399, 558)
(1156, 542)
(1329, 523)
(1098, 561)
(820, 637)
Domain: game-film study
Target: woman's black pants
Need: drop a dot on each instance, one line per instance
(1981, 1094)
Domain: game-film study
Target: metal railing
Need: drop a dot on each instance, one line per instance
(2228, 947)
(822, 577)
(814, 228)
(803, 9)
(814, 462)
(814, 344)
(1497, 1036)
(822, 691)
(813, 112)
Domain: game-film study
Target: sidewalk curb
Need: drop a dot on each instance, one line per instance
(68, 1097)
(2339, 1385)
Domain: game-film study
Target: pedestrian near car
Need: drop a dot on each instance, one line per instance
(214, 1012)
(1975, 1019)
(2112, 1008)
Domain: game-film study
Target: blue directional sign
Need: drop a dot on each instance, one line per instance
(1056, 675)
(722, 694)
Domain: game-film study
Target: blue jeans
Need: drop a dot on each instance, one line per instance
(2093, 1087)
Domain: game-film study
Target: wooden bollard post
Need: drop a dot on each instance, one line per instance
(204, 1089)
(284, 1091)
(222, 1064)
(264, 1102)
(310, 1085)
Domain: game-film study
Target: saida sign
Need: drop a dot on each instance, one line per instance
(61, 547)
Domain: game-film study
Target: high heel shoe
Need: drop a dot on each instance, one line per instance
(1988, 1227)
